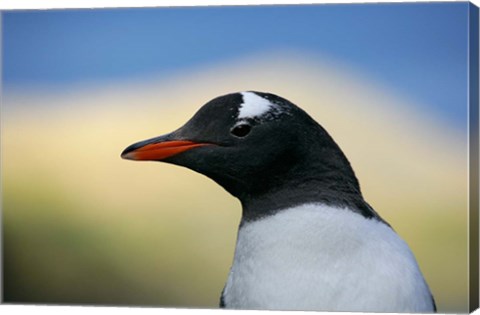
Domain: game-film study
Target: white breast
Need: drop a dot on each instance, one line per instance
(315, 257)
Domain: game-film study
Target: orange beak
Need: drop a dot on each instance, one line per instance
(157, 151)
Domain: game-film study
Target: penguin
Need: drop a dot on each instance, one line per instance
(307, 239)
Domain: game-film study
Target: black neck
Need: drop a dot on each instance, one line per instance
(324, 176)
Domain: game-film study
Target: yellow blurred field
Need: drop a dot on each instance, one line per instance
(82, 225)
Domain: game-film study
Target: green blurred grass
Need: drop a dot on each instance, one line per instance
(56, 253)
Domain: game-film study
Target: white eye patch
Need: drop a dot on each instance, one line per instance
(253, 106)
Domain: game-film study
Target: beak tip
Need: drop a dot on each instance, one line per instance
(127, 155)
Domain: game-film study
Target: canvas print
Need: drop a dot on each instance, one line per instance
(294, 157)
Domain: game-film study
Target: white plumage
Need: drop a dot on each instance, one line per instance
(253, 106)
(317, 257)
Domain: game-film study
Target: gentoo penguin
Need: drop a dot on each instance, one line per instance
(307, 239)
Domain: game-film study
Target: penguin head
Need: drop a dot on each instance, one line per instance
(248, 142)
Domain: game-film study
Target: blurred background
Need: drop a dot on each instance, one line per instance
(82, 226)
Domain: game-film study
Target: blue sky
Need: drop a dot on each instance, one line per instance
(419, 50)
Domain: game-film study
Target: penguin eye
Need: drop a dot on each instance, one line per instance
(241, 130)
